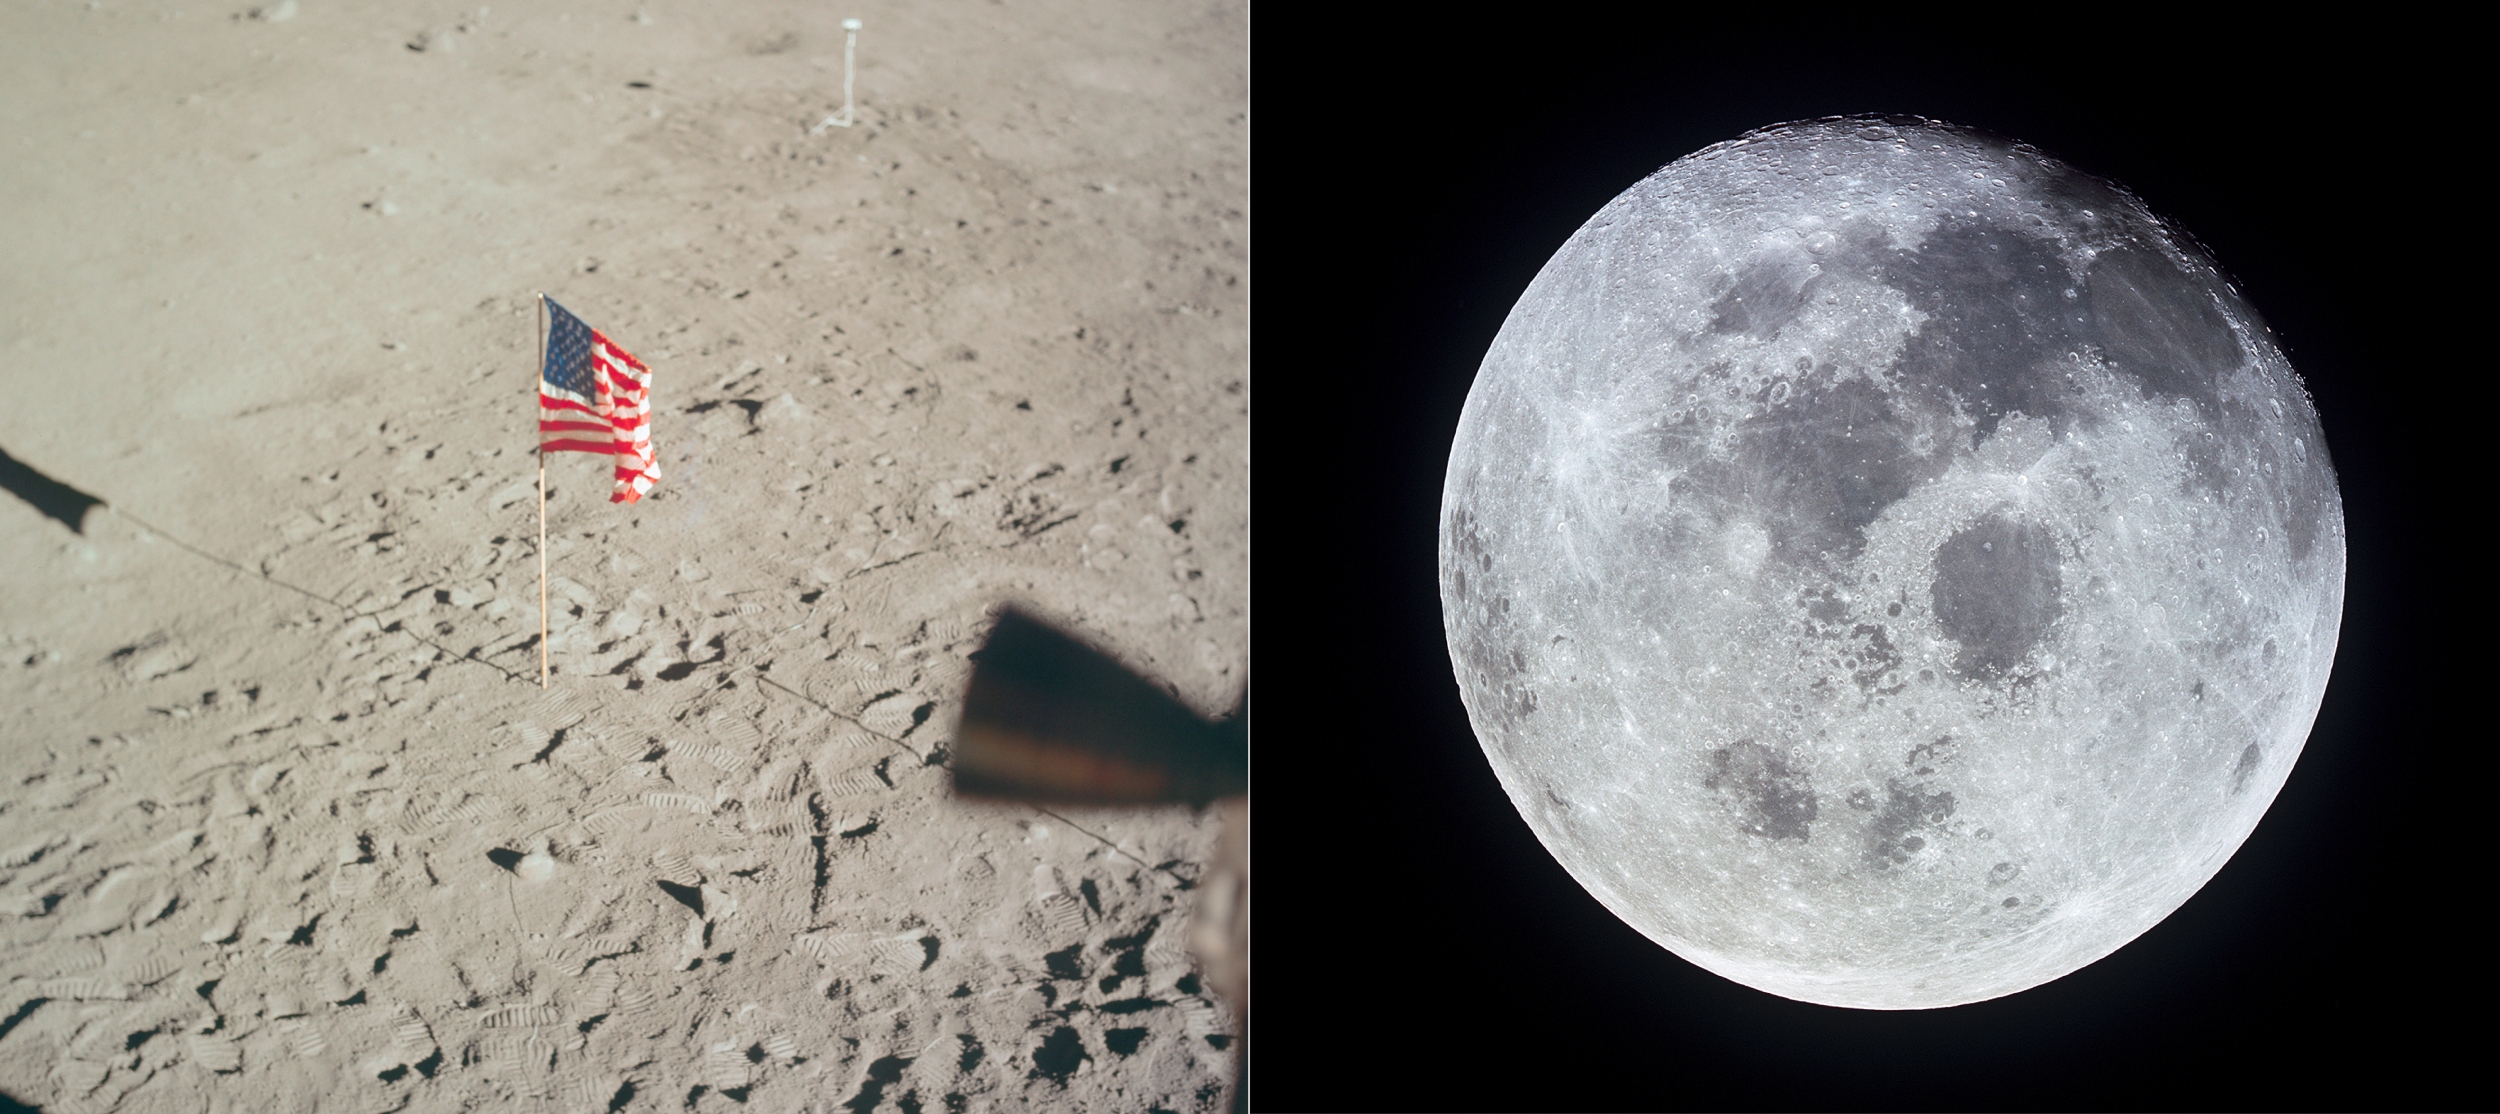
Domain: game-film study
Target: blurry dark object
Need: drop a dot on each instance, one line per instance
(1220, 933)
(52, 497)
(1050, 719)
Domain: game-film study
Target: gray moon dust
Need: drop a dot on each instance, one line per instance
(1887, 567)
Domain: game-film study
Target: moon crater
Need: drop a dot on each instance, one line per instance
(1996, 592)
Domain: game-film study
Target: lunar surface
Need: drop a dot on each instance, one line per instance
(1886, 566)
(288, 823)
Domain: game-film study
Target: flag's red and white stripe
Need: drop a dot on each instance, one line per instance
(617, 421)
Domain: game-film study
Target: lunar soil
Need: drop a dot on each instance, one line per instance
(288, 822)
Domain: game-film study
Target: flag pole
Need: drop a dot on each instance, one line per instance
(542, 506)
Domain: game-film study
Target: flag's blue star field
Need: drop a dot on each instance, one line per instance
(568, 353)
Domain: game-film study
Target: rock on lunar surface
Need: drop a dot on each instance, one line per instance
(1886, 566)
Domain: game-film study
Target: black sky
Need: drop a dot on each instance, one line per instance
(1418, 949)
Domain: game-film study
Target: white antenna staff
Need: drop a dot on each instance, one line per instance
(850, 40)
(542, 502)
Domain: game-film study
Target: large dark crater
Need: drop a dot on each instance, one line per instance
(1996, 592)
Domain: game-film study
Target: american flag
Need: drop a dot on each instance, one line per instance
(594, 397)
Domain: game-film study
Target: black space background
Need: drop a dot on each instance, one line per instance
(1419, 950)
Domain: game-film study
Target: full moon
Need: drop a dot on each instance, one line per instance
(1886, 566)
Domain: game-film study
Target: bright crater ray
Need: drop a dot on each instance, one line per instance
(1886, 566)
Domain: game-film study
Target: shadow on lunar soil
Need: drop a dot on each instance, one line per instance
(58, 501)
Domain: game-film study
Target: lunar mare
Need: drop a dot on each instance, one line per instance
(1888, 567)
